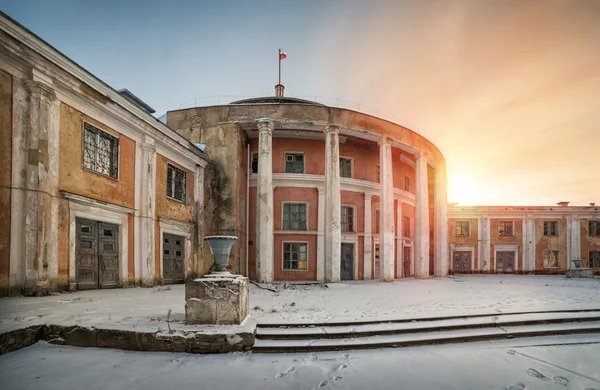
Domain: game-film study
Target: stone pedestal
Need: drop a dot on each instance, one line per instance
(579, 273)
(216, 300)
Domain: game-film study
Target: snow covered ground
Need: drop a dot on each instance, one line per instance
(537, 363)
(147, 308)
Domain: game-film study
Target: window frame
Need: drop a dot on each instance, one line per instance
(184, 192)
(116, 149)
(406, 218)
(351, 160)
(595, 229)
(294, 154)
(377, 220)
(408, 188)
(550, 253)
(557, 228)
(283, 204)
(590, 264)
(512, 228)
(283, 244)
(252, 154)
(353, 227)
(456, 222)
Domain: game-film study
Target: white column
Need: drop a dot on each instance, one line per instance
(368, 239)
(525, 245)
(386, 213)
(321, 236)
(264, 203)
(485, 245)
(147, 212)
(573, 240)
(441, 223)
(399, 254)
(422, 220)
(333, 232)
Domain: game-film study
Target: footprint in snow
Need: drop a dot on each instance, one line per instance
(561, 381)
(323, 383)
(510, 352)
(286, 372)
(516, 386)
(341, 367)
(536, 374)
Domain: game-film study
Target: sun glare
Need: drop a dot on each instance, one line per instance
(462, 189)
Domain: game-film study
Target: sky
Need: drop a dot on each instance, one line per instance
(508, 90)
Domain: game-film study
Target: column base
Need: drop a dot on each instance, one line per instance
(217, 300)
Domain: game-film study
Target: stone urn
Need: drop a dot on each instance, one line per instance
(220, 246)
(577, 263)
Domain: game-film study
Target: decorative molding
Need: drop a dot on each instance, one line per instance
(84, 200)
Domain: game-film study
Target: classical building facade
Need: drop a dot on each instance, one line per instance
(94, 191)
(514, 239)
(318, 193)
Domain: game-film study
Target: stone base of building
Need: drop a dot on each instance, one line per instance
(579, 273)
(218, 300)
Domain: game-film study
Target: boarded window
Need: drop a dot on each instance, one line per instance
(505, 228)
(295, 256)
(294, 216)
(345, 167)
(594, 228)
(594, 259)
(100, 151)
(347, 216)
(462, 228)
(550, 228)
(175, 183)
(294, 163)
(551, 259)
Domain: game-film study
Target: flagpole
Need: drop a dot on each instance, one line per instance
(279, 59)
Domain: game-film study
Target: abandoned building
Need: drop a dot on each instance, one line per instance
(512, 239)
(95, 191)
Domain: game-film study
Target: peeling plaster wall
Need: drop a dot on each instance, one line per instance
(515, 239)
(365, 155)
(74, 178)
(6, 82)
(63, 244)
(472, 239)
(551, 243)
(588, 243)
(314, 154)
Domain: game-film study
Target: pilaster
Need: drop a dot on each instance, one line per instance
(399, 254)
(264, 203)
(368, 239)
(441, 223)
(321, 236)
(386, 220)
(147, 212)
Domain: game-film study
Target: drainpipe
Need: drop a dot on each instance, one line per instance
(249, 171)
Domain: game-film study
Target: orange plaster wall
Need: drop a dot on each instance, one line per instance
(470, 240)
(588, 243)
(553, 243)
(73, 178)
(170, 208)
(515, 239)
(291, 194)
(365, 155)
(356, 199)
(311, 273)
(314, 154)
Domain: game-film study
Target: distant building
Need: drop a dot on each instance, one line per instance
(318, 193)
(514, 239)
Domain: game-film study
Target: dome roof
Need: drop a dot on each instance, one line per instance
(276, 100)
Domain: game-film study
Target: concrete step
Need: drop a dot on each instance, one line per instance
(424, 338)
(333, 331)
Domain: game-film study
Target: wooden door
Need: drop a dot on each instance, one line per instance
(108, 255)
(406, 261)
(97, 254)
(505, 262)
(461, 262)
(347, 263)
(173, 258)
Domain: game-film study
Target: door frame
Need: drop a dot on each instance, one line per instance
(178, 228)
(507, 248)
(86, 208)
(462, 248)
(348, 239)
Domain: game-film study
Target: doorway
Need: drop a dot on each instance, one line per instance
(461, 262)
(97, 254)
(406, 262)
(505, 262)
(347, 266)
(173, 258)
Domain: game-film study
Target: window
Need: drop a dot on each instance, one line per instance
(378, 173)
(345, 167)
(594, 228)
(550, 228)
(294, 163)
(377, 221)
(254, 163)
(294, 256)
(406, 227)
(175, 183)
(505, 228)
(294, 216)
(594, 259)
(100, 151)
(462, 228)
(347, 219)
(407, 183)
(551, 259)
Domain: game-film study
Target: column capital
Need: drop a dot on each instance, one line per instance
(43, 90)
(265, 125)
(334, 129)
(384, 141)
(148, 144)
(369, 195)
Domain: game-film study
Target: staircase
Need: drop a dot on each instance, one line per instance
(271, 338)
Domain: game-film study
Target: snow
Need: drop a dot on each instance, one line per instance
(147, 308)
(560, 362)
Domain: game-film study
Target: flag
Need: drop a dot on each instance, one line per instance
(282, 55)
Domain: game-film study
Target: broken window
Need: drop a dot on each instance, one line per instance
(347, 216)
(175, 183)
(462, 228)
(551, 259)
(345, 167)
(294, 216)
(100, 151)
(294, 163)
(550, 228)
(505, 228)
(295, 256)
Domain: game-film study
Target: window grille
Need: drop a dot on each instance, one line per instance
(462, 228)
(345, 167)
(550, 228)
(294, 163)
(505, 228)
(100, 151)
(294, 216)
(295, 256)
(347, 216)
(175, 183)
